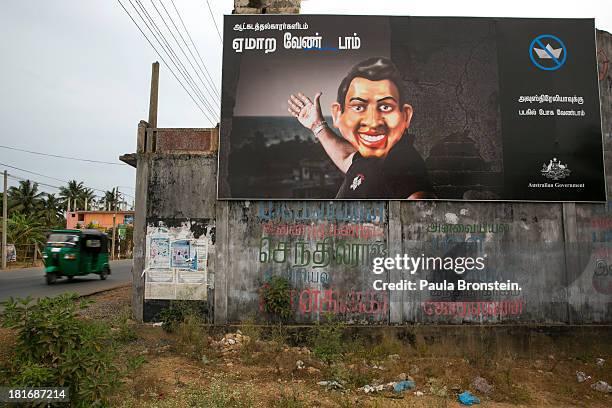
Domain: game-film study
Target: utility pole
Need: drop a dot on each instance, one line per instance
(114, 222)
(154, 95)
(4, 217)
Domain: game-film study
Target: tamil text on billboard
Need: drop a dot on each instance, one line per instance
(375, 107)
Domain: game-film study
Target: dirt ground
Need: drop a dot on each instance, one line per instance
(196, 367)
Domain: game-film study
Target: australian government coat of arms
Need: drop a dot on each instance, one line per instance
(555, 170)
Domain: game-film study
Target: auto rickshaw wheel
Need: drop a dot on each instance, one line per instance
(103, 273)
(70, 278)
(50, 278)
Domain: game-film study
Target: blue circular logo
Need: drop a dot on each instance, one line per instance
(548, 52)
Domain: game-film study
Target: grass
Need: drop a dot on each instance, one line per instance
(289, 400)
(126, 329)
(217, 395)
(192, 337)
(250, 329)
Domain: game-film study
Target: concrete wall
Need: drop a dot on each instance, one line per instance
(560, 254)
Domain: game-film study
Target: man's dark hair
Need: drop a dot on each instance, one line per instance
(374, 69)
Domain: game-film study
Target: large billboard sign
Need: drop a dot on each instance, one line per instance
(375, 107)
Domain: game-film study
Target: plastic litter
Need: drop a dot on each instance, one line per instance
(582, 377)
(602, 386)
(372, 388)
(403, 386)
(482, 385)
(600, 361)
(466, 398)
(333, 384)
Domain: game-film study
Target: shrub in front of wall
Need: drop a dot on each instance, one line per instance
(275, 295)
(55, 347)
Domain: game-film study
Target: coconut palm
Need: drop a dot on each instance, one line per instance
(111, 199)
(87, 196)
(51, 212)
(25, 198)
(74, 192)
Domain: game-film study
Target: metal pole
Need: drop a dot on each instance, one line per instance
(4, 218)
(114, 223)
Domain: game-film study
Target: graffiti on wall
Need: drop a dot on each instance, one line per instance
(308, 211)
(458, 235)
(176, 260)
(350, 303)
(320, 248)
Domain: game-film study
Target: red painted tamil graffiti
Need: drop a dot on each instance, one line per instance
(369, 302)
(483, 308)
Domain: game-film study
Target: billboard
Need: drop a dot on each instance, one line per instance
(376, 107)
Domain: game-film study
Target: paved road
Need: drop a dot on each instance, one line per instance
(31, 281)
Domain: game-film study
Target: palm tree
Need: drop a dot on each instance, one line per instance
(51, 211)
(25, 197)
(111, 199)
(75, 193)
(87, 196)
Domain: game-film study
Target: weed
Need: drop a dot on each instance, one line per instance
(177, 311)
(252, 332)
(126, 329)
(192, 336)
(146, 384)
(354, 377)
(220, 396)
(278, 338)
(134, 363)
(387, 345)
(505, 390)
(289, 400)
(326, 341)
(343, 401)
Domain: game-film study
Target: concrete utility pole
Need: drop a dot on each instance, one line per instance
(4, 217)
(114, 222)
(154, 95)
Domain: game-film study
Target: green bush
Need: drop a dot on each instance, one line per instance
(126, 331)
(56, 348)
(276, 297)
(178, 311)
(326, 340)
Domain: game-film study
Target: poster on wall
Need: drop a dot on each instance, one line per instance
(176, 265)
(376, 107)
(159, 251)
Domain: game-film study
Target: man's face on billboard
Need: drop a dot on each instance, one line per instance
(373, 121)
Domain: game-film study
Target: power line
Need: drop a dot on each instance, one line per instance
(213, 105)
(61, 157)
(210, 84)
(162, 58)
(35, 181)
(215, 23)
(44, 175)
(194, 46)
(154, 29)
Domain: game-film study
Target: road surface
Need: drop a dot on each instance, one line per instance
(31, 281)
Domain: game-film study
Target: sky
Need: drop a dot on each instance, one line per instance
(75, 74)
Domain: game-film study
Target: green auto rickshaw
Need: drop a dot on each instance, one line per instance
(73, 253)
